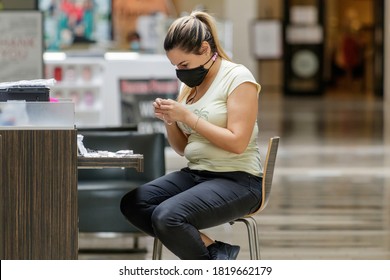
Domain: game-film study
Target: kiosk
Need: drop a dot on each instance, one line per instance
(38, 181)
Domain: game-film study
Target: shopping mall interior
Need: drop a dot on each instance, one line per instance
(324, 92)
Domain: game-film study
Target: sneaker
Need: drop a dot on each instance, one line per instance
(223, 251)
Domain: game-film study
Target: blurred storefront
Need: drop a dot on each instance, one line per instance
(321, 47)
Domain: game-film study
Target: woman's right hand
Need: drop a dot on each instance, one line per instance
(157, 107)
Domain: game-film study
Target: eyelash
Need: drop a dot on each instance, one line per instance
(183, 66)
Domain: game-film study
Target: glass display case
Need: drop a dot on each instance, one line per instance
(37, 115)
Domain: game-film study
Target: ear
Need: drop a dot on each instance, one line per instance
(205, 48)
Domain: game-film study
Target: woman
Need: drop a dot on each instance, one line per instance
(214, 125)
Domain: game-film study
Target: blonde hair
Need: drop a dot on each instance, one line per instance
(188, 33)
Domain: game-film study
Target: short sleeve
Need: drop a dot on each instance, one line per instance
(239, 75)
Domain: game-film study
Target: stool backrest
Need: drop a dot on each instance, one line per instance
(268, 171)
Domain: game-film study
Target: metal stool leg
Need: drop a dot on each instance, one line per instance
(157, 249)
(253, 238)
(256, 238)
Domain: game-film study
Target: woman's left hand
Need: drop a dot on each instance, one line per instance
(170, 110)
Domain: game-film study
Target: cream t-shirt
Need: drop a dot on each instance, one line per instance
(203, 155)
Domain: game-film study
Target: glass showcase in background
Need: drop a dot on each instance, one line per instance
(72, 23)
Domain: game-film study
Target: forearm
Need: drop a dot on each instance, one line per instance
(177, 140)
(221, 137)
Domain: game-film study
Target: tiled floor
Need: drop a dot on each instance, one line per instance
(331, 190)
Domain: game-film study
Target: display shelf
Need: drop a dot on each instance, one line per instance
(79, 80)
(92, 82)
(80, 85)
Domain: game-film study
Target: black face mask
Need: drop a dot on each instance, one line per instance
(195, 76)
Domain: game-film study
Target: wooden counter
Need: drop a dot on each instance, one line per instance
(38, 194)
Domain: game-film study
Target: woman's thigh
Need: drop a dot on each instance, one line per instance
(212, 202)
(164, 187)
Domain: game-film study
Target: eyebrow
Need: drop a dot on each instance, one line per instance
(181, 63)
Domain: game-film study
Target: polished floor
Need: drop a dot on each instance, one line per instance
(331, 190)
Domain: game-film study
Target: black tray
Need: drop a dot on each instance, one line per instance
(26, 93)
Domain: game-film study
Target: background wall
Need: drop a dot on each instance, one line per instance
(234, 11)
(387, 53)
(19, 4)
(215, 7)
(270, 72)
(386, 76)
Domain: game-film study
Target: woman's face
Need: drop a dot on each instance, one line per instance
(183, 60)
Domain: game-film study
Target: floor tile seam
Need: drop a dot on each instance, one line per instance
(333, 171)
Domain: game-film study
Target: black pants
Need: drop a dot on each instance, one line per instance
(175, 206)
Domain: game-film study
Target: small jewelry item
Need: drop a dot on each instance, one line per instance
(196, 123)
(168, 123)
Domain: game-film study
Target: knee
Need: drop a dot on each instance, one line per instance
(163, 220)
(127, 203)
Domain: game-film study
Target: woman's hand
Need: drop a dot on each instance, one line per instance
(169, 110)
(157, 109)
